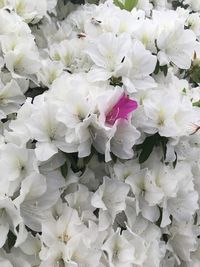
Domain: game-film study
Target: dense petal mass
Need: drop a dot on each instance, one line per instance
(99, 133)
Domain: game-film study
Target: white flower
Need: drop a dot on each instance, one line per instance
(51, 257)
(16, 163)
(77, 253)
(11, 97)
(32, 245)
(81, 201)
(182, 206)
(121, 171)
(10, 218)
(194, 4)
(77, 115)
(15, 258)
(69, 53)
(139, 246)
(167, 112)
(145, 5)
(29, 10)
(46, 129)
(110, 198)
(119, 250)
(12, 23)
(123, 140)
(141, 63)
(193, 22)
(57, 235)
(108, 53)
(19, 133)
(109, 18)
(140, 191)
(176, 45)
(67, 226)
(22, 62)
(147, 34)
(28, 201)
(111, 138)
(161, 4)
(103, 82)
(50, 71)
(1, 62)
(51, 4)
(37, 203)
(20, 52)
(183, 240)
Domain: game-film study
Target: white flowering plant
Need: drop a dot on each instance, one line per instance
(100, 133)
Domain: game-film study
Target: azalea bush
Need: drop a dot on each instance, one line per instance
(99, 133)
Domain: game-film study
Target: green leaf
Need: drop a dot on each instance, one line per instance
(158, 222)
(116, 81)
(11, 239)
(178, 3)
(119, 4)
(184, 91)
(148, 145)
(163, 142)
(196, 104)
(195, 74)
(147, 148)
(164, 69)
(157, 68)
(64, 170)
(175, 162)
(130, 4)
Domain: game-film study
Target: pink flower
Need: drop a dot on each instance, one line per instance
(121, 109)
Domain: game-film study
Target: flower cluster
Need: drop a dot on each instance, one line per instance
(100, 133)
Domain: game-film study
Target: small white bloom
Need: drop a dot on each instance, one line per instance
(110, 198)
(141, 63)
(183, 240)
(108, 53)
(177, 46)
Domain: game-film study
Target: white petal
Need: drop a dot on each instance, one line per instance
(45, 151)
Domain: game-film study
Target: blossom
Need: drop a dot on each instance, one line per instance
(29, 10)
(173, 121)
(49, 72)
(183, 241)
(11, 97)
(121, 109)
(193, 4)
(99, 140)
(140, 64)
(110, 198)
(176, 46)
(118, 248)
(46, 130)
(108, 54)
(10, 218)
(17, 162)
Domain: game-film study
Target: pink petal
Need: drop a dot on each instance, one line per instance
(121, 109)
